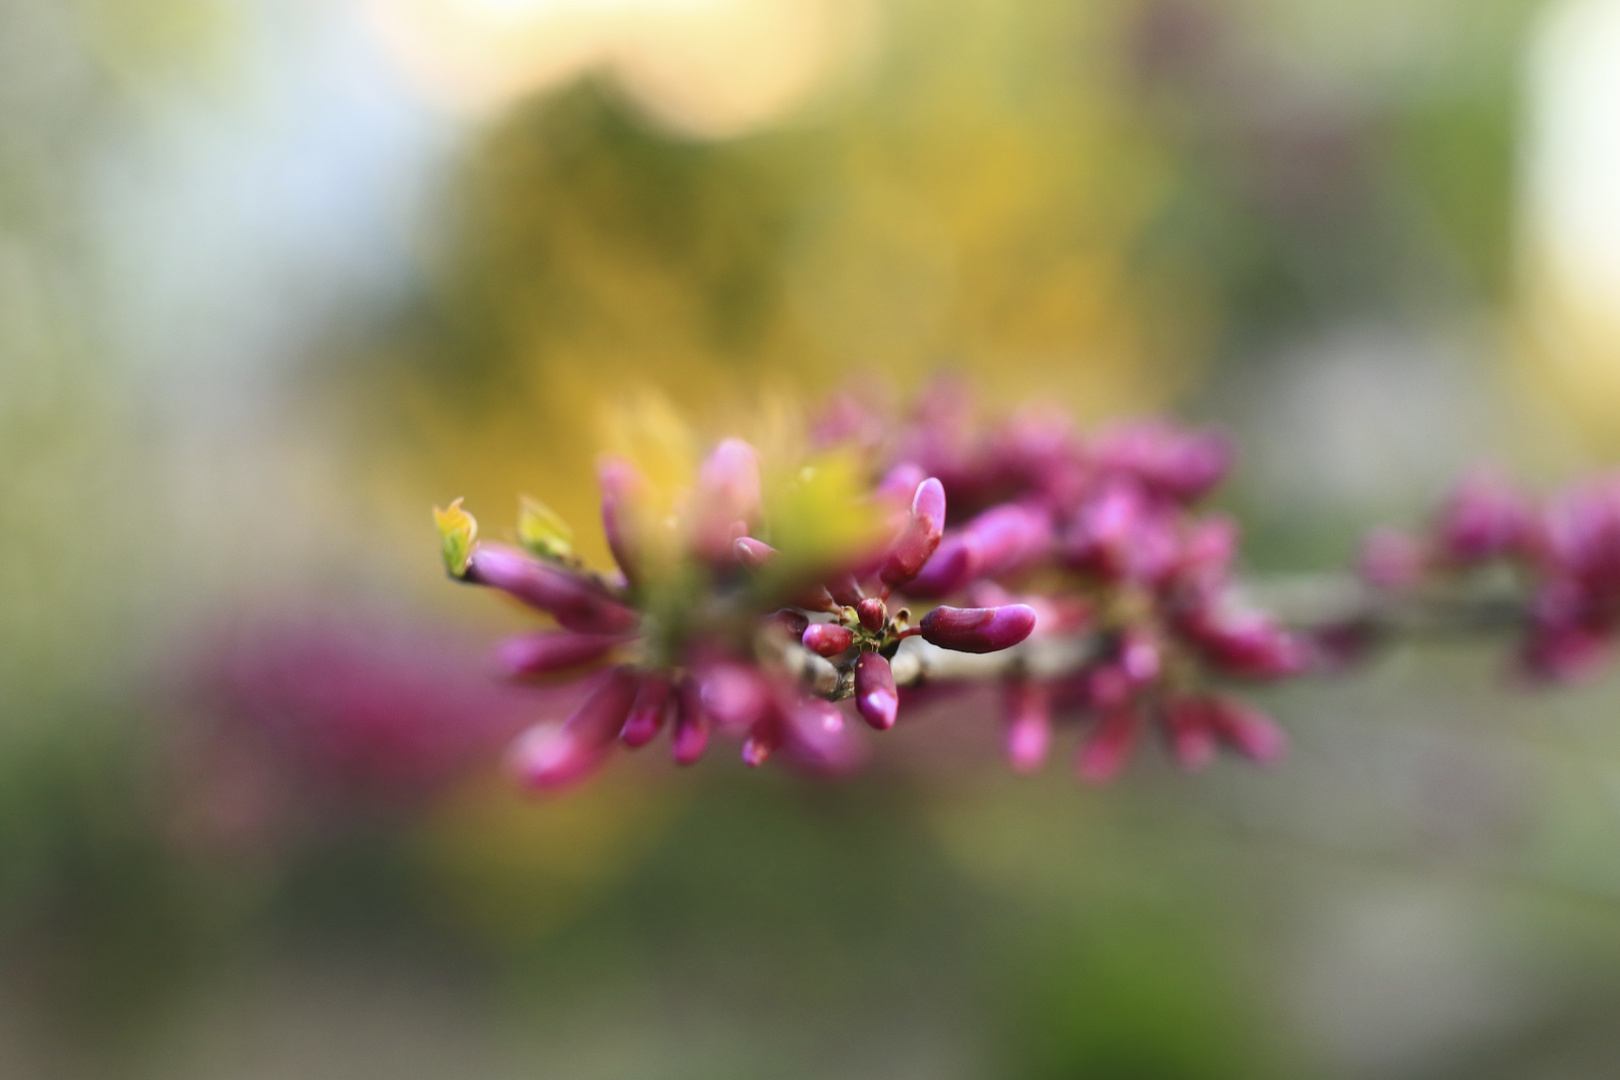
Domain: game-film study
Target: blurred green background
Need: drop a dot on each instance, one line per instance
(278, 275)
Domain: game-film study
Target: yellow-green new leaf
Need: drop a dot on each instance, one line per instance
(458, 531)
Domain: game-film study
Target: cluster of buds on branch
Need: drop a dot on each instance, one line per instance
(775, 602)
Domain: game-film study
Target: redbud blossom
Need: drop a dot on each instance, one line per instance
(919, 537)
(574, 601)
(727, 492)
(550, 651)
(827, 639)
(548, 758)
(648, 712)
(1103, 756)
(1028, 707)
(978, 630)
(875, 695)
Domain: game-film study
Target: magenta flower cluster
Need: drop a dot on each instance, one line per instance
(1553, 565)
(1082, 559)
(1103, 537)
(697, 628)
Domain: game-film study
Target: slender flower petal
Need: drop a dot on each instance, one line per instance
(978, 630)
(691, 725)
(754, 554)
(1028, 707)
(549, 758)
(574, 601)
(875, 695)
(545, 652)
(1103, 756)
(1192, 737)
(648, 712)
(1247, 730)
(727, 492)
(622, 487)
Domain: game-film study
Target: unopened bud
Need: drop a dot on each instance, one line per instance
(549, 759)
(875, 695)
(1029, 725)
(648, 712)
(873, 613)
(577, 602)
(548, 651)
(920, 536)
(827, 639)
(978, 630)
(1103, 756)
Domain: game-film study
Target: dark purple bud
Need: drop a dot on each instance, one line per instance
(875, 695)
(754, 554)
(549, 651)
(1192, 738)
(920, 536)
(648, 712)
(1105, 530)
(873, 613)
(549, 758)
(827, 639)
(1390, 560)
(691, 736)
(952, 568)
(622, 486)
(763, 738)
(1029, 725)
(978, 630)
(727, 491)
(577, 602)
(1246, 730)
(1103, 756)
(1483, 519)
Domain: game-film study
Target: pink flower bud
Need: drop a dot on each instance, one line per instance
(576, 602)
(873, 613)
(1483, 519)
(978, 630)
(919, 537)
(1206, 551)
(1192, 738)
(754, 554)
(549, 651)
(1009, 537)
(548, 758)
(691, 725)
(735, 695)
(727, 492)
(622, 486)
(1246, 730)
(763, 739)
(648, 712)
(827, 639)
(1029, 725)
(875, 695)
(901, 482)
(816, 740)
(952, 568)
(1103, 756)
(1180, 465)
(1247, 644)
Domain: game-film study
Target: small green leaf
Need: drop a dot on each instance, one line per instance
(457, 533)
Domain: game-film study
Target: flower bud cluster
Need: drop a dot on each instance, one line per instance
(1554, 563)
(1102, 537)
(705, 628)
